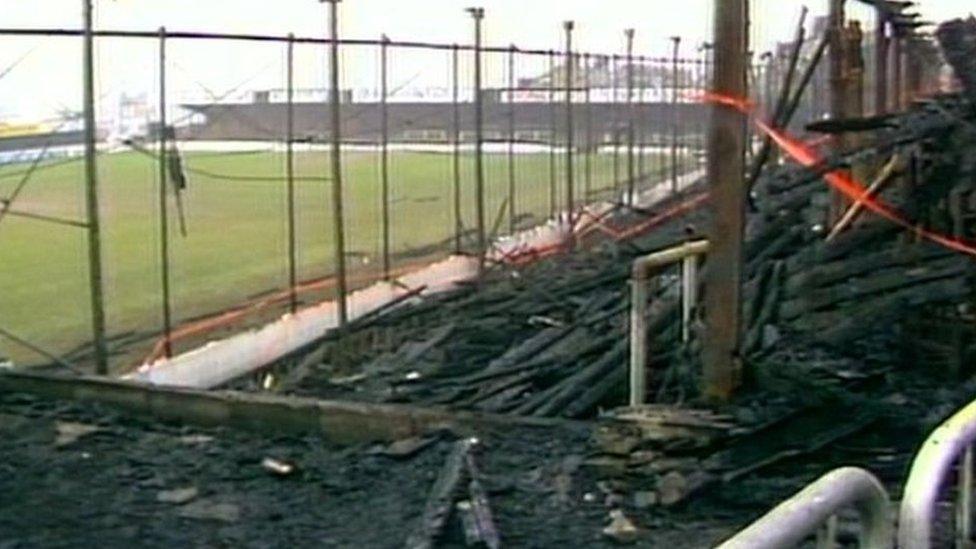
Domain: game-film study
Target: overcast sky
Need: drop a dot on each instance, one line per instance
(49, 75)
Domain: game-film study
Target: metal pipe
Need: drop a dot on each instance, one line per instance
(385, 155)
(588, 159)
(570, 199)
(456, 140)
(37, 349)
(689, 294)
(163, 202)
(964, 500)
(338, 225)
(640, 274)
(630, 117)
(674, 113)
(552, 133)
(932, 465)
(91, 197)
(478, 14)
(792, 521)
(511, 140)
(290, 175)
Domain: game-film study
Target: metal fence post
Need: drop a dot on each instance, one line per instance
(456, 142)
(478, 14)
(588, 159)
(385, 155)
(290, 176)
(674, 113)
(630, 117)
(91, 197)
(552, 133)
(511, 139)
(615, 121)
(163, 206)
(336, 123)
(570, 202)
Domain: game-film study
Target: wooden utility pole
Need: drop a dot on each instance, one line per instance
(726, 177)
(91, 198)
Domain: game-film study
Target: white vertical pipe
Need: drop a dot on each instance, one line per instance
(638, 339)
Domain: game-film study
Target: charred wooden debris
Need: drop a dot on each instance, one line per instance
(849, 320)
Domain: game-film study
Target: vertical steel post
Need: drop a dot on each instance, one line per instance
(615, 121)
(630, 117)
(91, 197)
(290, 176)
(726, 167)
(456, 142)
(163, 201)
(385, 155)
(881, 64)
(552, 133)
(588, 159)
(570, 199)
(676, 40)
(479, 172)
(641, 118)
(631, 176)
(336, 124)
(511, 139)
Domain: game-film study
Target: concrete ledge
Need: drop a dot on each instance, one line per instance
(340, 421)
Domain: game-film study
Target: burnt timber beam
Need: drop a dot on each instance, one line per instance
(726, 179)
(340, 421)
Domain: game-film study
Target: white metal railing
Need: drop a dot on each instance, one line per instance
(688, 253)
(816, 506)
(949, 445)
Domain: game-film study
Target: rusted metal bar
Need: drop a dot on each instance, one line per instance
(799, 517)
(91, 196)
(726, 167)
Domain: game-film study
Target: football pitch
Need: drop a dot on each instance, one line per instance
(236, 241)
